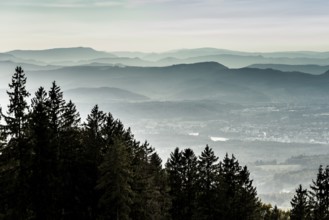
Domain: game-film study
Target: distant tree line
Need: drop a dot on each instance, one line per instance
(52, 166)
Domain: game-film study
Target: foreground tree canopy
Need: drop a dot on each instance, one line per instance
(54, 167)
(312, 203)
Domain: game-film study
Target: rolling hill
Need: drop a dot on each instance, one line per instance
(311, 69)
(197, 81)
(103, 95)
(60, 54)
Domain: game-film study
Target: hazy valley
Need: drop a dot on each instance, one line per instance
(271, 110)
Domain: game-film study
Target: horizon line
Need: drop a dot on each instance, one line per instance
(165, 51)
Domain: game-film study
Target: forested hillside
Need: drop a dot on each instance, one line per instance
(52, 166)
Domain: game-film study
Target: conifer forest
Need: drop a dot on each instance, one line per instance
(55, 165)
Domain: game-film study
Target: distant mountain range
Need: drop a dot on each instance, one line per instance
(182, 75)
(232, 59)
(187, 53)
(200, 81)
(60, 54)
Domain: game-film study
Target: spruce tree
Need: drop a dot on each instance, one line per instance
(241, 201)
(92, 158)
(229, 170)
(114, 183)
(141, 183)
(71, 117)
(95, 121)
(16, 153)
(174, 168)
(299, 203)
(189, 182)
(69, 164)
(109, 132)
(248, 201)
(318, 196)
(17, 108)
(208, 176)
(151, 198)
(42, 180)
(159, 202)
(183, 176)
(56, 107)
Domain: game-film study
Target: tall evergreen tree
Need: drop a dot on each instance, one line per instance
(189, 183)
(142, 178)
(114, 183)
(247, 195)
(56, 107)
(208, 177)
(241, 201)
(319, 196)
(229, 170)
(300, 209)
(109, 131)
(71, 117)
(174, 168)
(92, 158)
(16, 154)
(17, 108)
(95, 121)
(159, 202)
(42, 180)
(183, 177)
(151, 197)
(69, 164)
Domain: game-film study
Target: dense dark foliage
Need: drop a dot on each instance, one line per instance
(313, 203)
(204, 189)
(54, 167)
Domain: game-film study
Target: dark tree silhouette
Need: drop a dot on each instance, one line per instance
(241, 201)
(299, 203)
(207, 184)
(16, 153)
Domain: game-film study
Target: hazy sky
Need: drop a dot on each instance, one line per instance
(159, 25)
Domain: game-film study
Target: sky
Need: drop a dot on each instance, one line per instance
(161, 25)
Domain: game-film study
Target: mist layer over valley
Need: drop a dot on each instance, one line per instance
(271, 110)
